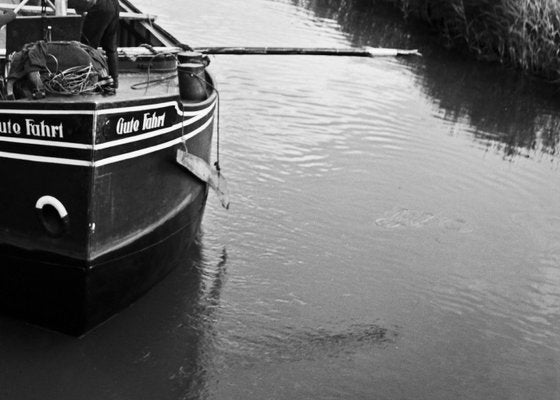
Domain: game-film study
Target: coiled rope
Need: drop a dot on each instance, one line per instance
(150, 82)
(80, 79)
(72, 81)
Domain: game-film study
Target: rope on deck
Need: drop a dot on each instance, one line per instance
(75, 80)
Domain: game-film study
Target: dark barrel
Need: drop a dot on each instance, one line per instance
(192, 82)
(191, 57)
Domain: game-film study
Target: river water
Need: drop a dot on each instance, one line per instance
(394, 230)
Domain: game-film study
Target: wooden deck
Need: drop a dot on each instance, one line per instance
(131, 87)
(134, 85)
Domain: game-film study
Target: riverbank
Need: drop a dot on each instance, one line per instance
(524, 34)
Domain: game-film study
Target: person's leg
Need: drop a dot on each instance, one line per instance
(94, 25)
(109, 41)
(112, 63)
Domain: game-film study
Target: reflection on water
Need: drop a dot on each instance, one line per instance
(511, 113)
(368, 22)
(156, 349)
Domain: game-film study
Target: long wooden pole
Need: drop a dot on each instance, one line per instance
(20, 6)
(348, 52)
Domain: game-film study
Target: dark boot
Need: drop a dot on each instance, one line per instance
(113, 65)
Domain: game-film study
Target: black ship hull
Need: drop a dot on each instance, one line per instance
(94, 208)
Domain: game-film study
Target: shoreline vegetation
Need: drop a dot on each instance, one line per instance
(524, 34)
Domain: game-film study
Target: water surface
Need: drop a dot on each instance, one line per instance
(394, 230)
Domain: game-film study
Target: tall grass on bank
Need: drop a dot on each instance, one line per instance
(522, 33)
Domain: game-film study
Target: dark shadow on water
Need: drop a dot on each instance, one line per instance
(508, 112)
(156, 349)
(296, 344)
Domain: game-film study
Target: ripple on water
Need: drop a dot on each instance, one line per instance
(406, 218)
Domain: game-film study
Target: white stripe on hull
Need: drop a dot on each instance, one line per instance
(39, 142)
(197, 116)
(147, 150)
(44, 159)
(109, 160)
(201, 114)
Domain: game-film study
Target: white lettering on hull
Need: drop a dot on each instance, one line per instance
(149, 121)
(41, 129)
(153, 121)
(9, 128)
(127, 126)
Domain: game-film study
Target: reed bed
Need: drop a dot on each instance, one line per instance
(521, 33)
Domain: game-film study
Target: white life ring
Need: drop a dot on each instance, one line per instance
(55, 224)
